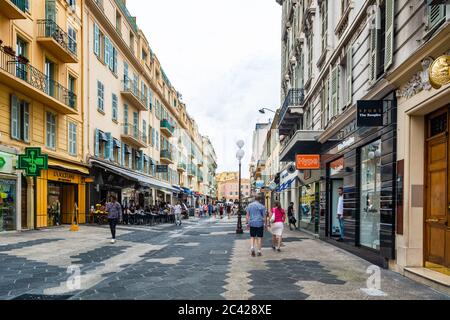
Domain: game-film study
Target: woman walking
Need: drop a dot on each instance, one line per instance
(278, 216)
(114, 210)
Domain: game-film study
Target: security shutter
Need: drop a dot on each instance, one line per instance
(349, 75)
(373, 57)
(389, 39)
(14, 117)
(96, 143)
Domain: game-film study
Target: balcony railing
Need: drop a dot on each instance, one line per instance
(49, 29)
(192, 170)
(294, 98)
(166, 125)
(182, 166)
(166, 154)
(132, 131)
(130, 87)
(26, 72)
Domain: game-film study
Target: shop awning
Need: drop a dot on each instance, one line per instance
(135, 176)
(187, 191)
(67, 166)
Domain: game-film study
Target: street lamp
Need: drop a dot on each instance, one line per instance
(239, 155)
(262, 111)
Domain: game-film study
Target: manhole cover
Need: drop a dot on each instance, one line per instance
(41, 297)
(218, 252)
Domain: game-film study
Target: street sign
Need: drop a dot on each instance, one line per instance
(369, 113)
(162, 168)
(307, 161)
(33, 161)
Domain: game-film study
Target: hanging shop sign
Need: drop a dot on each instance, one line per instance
(307, 161)
(440, 72)
(369, 113)
(33, 162)
(162, 168)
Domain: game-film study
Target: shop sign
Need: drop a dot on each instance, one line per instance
(33, 162)
(347, 143)
(62, 176)
(162, 168)
(369, 113)
(307, 161)
(336, 166)
(440, 72)
(6, 162)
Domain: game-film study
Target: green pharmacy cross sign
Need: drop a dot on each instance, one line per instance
(2, 162)
(33, 161)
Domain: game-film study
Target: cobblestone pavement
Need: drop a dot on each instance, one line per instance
(202, 259)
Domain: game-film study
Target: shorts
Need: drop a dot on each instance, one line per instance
(256, 232)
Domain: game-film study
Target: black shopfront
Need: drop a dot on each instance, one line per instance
(362, 161)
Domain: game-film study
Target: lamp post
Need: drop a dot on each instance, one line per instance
(263, 110)
(239, 155)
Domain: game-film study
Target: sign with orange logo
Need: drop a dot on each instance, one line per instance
(307, 161)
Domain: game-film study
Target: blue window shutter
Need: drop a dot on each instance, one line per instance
(97, 143)
(141, 161)
(96, 40)
(14, 117)
(114, 64)
(107, 58)
(109, 146)
(130, 160)
(123, 154)
(26, 122)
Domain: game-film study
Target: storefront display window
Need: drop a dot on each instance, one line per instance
(307, 204)
(7, 205)
(54, 204)
(370, 195)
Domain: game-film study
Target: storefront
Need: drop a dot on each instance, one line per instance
(10, 193)
(289, 191)
(363, 163)
(60, 196)
(309, 207)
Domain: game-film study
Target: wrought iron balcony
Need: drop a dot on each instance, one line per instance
(57, 41)
(131, 135)
(166, 127)
(192, 170)
(181, 167)
(131, 92)
(13, 9)
(166, 157)
(291, 111)
(30, 81)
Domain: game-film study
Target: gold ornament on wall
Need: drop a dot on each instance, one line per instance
(440, 72)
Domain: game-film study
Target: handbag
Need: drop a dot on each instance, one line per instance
(272, 218)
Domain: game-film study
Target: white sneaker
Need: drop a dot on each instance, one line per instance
(113, 241)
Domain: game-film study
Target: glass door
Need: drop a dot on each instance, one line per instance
(49, 77)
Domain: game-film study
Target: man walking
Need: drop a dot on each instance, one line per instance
(114, 210)
(177, 210)
(256, 220)
(340, 213)
(291, 217)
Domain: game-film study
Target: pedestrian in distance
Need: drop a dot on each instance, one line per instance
(256, 222)
(221, 210)
(177, 210)
(277, 219)
(114, 210)
(291, 218)
(228, 210)
(340, 213)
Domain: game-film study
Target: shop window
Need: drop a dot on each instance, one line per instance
(370, 192)
(8, 198)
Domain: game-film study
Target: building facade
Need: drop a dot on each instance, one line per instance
(338, 55)
(228, 187)
(41, 78)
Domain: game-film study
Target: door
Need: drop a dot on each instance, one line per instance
(437, 233)
(50, 77)
(335, 185)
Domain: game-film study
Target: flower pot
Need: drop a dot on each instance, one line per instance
(23, 60)
(9, 51)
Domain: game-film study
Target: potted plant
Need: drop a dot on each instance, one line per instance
(22, 59)
(9, 50)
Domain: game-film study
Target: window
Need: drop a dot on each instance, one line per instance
(324, 18)
(72, 139)
(100, 96)
(310, 55)
(96, 40)
(136, 125)
(125, 118)
(118, 23)
(72, 4)
(107, 54)
(144, 131)
(436, 15)
(114, 107)
(132, 41)
(157, 140)
(21, 50)
(51, 130)
(72, 37)
(20, 119)
(144, 55)
(50, 71)
(72, 89)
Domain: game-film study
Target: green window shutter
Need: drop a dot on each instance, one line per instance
(141, 161)
(334, 91)
(96, 40)
(114, 60)
(349, 75)
(14, 117)
(122, 154)
(130, 160)
(26, 122)
(96, 143)
(389, 39)
(373, 57)
(436, 13)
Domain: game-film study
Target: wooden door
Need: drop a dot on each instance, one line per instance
(437, 235)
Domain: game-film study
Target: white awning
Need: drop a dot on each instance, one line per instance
(135, 176)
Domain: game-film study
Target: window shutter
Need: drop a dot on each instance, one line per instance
(26, 122)
(122, 154)
(349, 75)
(436, 13)
(14, 117)
(107, 56)
(108, 147)
(96, 40)
(389, 39)
(114, 60)
(141, 161)
(130, 160)
(111, 56)
(334, 91)
(97, 142)
(373, 56)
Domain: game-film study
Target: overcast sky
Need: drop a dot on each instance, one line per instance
(223, 56)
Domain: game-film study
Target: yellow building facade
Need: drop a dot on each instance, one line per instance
(40, 103)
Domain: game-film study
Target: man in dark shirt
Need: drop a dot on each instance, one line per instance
(292, 220)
